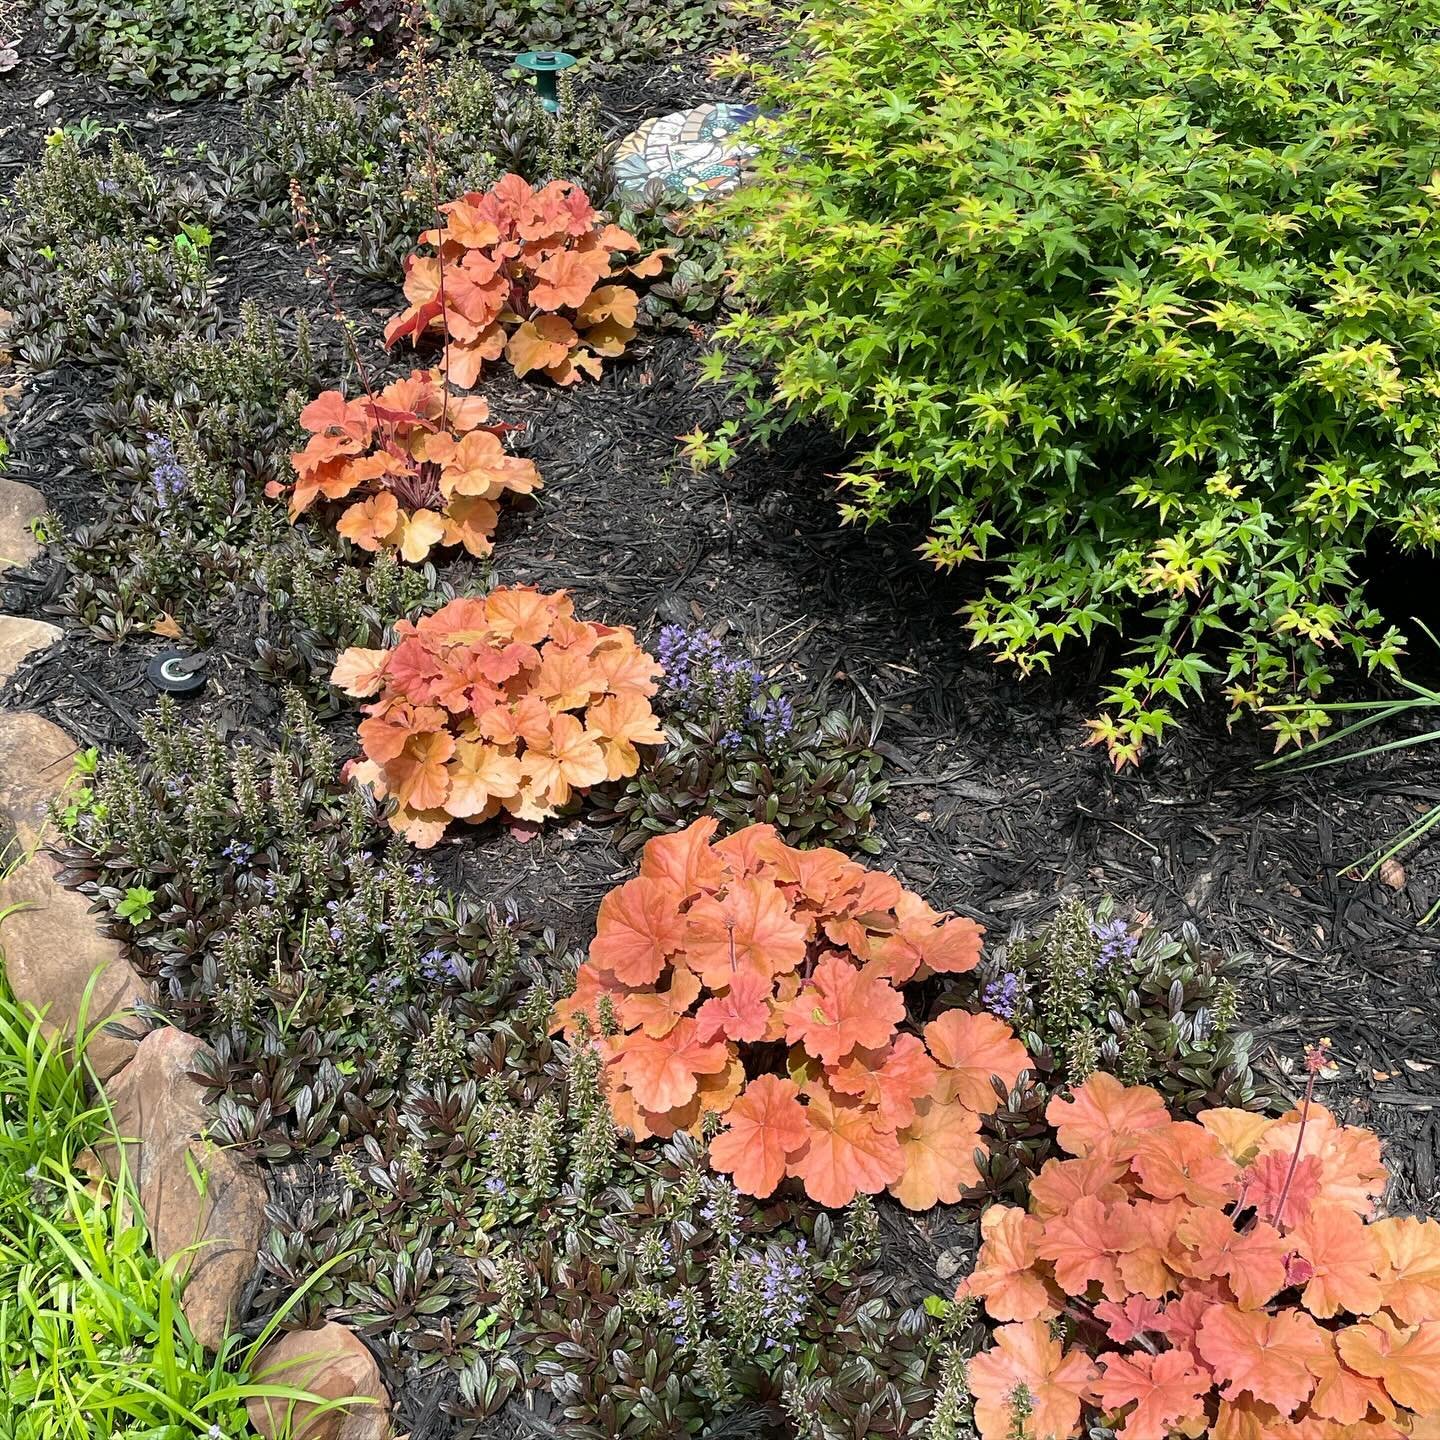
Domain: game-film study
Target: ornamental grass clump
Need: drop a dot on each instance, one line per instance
(1139, 305)
(766, 986)
(1223, 1276)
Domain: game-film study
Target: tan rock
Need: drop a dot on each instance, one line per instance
(36, 759)
(330, 1363)
(161, 1118)
(20, 506)
(19, 638)
(52, 949)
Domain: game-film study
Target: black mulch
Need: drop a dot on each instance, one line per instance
(998, 807)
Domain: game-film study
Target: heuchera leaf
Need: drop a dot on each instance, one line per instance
(1226, 1275)
(420, 465)
(457, 730)
(530, 262)
(746, 942)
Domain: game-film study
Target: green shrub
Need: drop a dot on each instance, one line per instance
(1139, 301)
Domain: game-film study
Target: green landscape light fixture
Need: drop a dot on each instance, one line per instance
(545, 65)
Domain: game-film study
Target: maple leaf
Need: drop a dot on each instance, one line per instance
(663, 1071)
(1026, 1356)
(1004, 1277)
(846, 1152)
(1252, 1261)
(1345, 1259)
(1103, 1111)
(973, 1049)
(751, 926)
(1269, 1356)
(1083, 1245)
(1406, 1360)
(1166, 1391)
(742, 1012)
(938, 1147)
(764, 1128)
(639, 928)
(842, 1007)
(1182, 1159)
(1411, 1250)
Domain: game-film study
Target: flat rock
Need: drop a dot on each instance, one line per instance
(161, 1117)
(52, 950)
(19, 638)
(331, 1363)
(36, 759)
(20, 506)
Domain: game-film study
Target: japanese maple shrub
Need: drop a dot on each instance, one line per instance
(1223, 1276)
(1136, 302)
(420, 467)
(764, 985)
(501, 703)
(528, 274)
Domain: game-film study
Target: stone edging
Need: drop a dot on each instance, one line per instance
(58, 963)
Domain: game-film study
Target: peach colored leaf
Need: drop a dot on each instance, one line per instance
(1238, 1131)
(685, 859)
(369, 523)
(566, 278)
(752, 926)
(766, 1126)
(1350, 1169)
(1167, 1391)
(1138, 1316)
(639, 928)
(939, 1148)
(1405, 1359)
(574, 367)
(663, 1071)
(540, 343)
(471, 523)
(1083, 1245)
(1345, 1260)
(1412, 1275)
(1269, 1356)
(846, 1151)
(1252, 1261)
(1061, 1183)
(1026, 1355)
(657, 1011)
(1342, 1394)
(1103, 1111)
(842, 1007)
(609, 302)
(1005, 1278)
(925, 939)
(619, 723)
(480, 777)
(892, 1078)
(1182, 1160)
(417, 777)
(609, 338)
(416, 533)
(359, 672)
(972, 1050)
(742, 1012)
(1280, 1190)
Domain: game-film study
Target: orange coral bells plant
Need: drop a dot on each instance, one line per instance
(502, 703)
(1223, 1277)
(420, 466)
(763, 984)
(528, 274)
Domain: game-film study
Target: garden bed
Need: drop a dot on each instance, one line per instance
(996, 807)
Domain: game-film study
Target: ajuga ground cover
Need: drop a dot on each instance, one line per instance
(1132, 309)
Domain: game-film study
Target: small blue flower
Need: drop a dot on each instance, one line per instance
(1002, 996)
(1116, 942)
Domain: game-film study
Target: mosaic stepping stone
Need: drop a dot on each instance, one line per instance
(693, 151)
